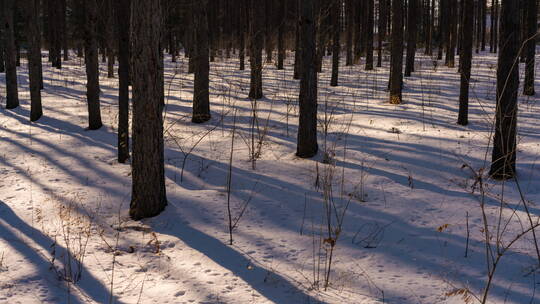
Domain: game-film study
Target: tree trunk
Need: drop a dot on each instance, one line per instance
(412, 34)
(64, 29)
(297, 46)
(123, 10)
(92, 66)
(281, 33)
(242, 35)
(307, 128)
(451, 35)
(465, 59)
(530, 46)
(34, 57)
(148, 196)
(349, 13)
(369, 35)
(383, 16)
(12, 100)
(396, 61)
(201, 98)
(336, 45)
(256, 43)
(503, 165)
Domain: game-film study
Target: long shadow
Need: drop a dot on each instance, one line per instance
(88, 284)
(237, 263)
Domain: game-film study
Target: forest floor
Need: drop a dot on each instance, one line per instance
(401, 180)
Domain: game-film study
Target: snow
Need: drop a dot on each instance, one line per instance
(404, 172)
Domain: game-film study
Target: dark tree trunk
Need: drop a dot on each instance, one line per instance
(281, 33)
(63, 9)
(148, 197)
(109, 32)
(2, 57)
(92, 65)
(242, 35)
(307, 128)
(34, 57)
(431, 29)
(123, 10)
(451, 35)
(349, 13)
(412, 34)
(201, 98)
(530, 46)
(465, 59)
(496, 28)
(297, 46)
(503, 165)
(483, 4)
(256, 46)
(369, 35)
(268, 30)
(12, 100)
(396, 61)
(336, 45)
(443, 27)
(383, 16)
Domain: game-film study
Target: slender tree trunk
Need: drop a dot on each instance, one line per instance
(92, 66)
(281, 33)
(256, 43)
(64, 30)
(307, 128)
(396, 61)
(451, 35)
(12, 100)
(483, 24)
(123, 10)
(383, 16)
(496, 29)
(201, 98)
(336, 44)
(242, 35)
(465, 59)
(148, 197)
(369, 34)
(530, 46)
(31, 9)
(349, 13)
(297, 46)
(503, 165)
(412, 34)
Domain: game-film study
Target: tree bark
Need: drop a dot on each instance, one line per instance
(256, 43)
(148, 196)
(369, 35)
(34, 57)
(503, 165)
(465, 59)
(12, 100)
(92, 66)
(382, 26)
(530, 46)
(201, 98)
(412, 34)
(307, 129)
(396, 61)
(123, 10)
(336, 44)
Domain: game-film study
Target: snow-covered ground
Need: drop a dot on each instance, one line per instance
(405, 174)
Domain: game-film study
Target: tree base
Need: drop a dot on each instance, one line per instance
(136, 213)
(201, 118)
